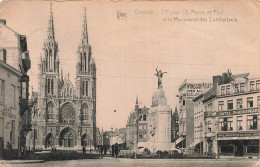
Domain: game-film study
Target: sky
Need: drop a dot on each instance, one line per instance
(128, 49)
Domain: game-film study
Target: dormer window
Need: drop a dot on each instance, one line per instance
(252, 85)
(236, 88)
(242, 87)
(258, 85)
(228, 89)
(3, 55)
(222, 90)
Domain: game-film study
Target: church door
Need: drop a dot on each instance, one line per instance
(67, 137)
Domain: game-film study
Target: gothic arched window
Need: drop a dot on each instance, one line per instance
(50, 59)
(83, 88)
(86, 88)
(85, 62)
(52, 86)
(50, 114)
(85, 113)
(49, 85)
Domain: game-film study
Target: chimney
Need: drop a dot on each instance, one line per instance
(216, 80)
(224, 78)
(3, 21)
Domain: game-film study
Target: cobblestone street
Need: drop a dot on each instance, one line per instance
(107, 162)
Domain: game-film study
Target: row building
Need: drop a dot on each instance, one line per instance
(226, 117)
(188, 90)
(15, 118)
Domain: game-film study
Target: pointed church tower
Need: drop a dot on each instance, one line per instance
(49, 63)
(86, 82)
(51, 48)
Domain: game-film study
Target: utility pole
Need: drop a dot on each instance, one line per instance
(200, 138)
(34, 137)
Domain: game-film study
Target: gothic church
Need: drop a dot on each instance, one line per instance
(65, 116)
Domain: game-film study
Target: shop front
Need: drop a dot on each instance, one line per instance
(242, 144)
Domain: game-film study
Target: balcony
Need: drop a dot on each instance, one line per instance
(23, 105)
(26, 121)
(210, 134)
(27, 127)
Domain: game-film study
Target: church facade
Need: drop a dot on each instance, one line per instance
(65, 116)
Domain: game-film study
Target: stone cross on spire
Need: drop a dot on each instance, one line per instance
(51, 25)
(84, 36)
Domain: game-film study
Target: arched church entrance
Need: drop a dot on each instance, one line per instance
(68, 137)
(49, 141)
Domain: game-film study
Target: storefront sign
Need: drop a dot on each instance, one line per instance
(238, 112)
(199, 85)
(234, 134)
(193, 90)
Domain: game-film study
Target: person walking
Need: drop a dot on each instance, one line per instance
(116, 150)
(105, 150)
(9, 149)
(113, 150)
(84, 150)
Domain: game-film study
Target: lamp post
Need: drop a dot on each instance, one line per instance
(136, 142)
(200, 138)
(34, 137)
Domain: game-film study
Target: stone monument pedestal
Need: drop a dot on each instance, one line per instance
(160, 123)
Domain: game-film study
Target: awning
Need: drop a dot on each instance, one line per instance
(179, 140)
(192, 145)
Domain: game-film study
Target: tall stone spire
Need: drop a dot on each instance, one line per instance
(84, 36)
(50, 48)
(51, 35)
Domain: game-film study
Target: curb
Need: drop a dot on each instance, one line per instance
(21, 162)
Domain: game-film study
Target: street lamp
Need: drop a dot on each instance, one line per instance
(200, 137)
(136, 123)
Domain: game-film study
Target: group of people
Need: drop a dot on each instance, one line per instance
(115, 150)
(103, 150)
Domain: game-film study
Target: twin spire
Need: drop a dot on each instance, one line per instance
(51, 35)
(51, 25)
(84, 36)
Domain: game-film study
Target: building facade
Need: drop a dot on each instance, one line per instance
(175, 125)
(238, 116)
(137, 128)
(188, 90)
(66, 115)
(14, 85)
(226, 117)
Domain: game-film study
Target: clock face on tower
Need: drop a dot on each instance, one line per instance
(67, 114)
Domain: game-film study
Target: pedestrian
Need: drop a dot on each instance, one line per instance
(113, 150)
(116, 150)
(105, 150)
(9, 149)
(84, 150)
(101, 150)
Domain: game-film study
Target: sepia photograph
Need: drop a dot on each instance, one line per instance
(114, 83)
